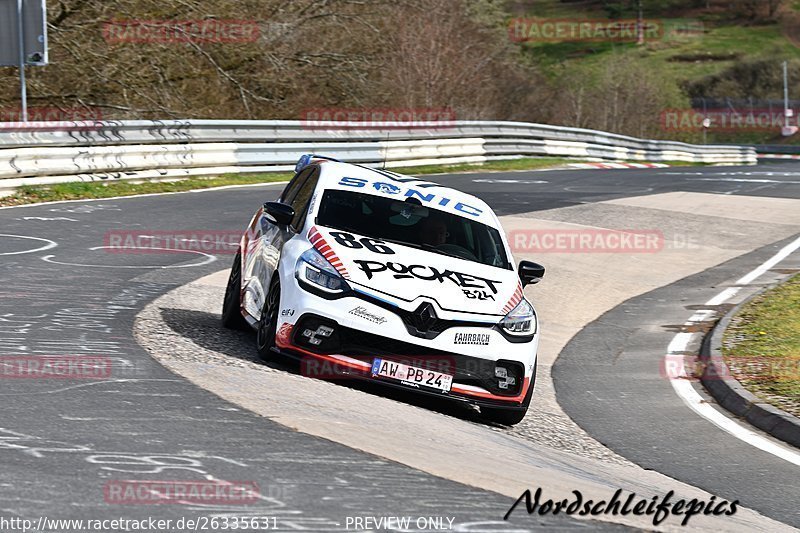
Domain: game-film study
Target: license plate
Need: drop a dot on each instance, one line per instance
(411, 375)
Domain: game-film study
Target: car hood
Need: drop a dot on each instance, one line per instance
(407, 273)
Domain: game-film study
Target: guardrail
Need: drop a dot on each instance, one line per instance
(777, 153)
(788, 149)
(40, 154)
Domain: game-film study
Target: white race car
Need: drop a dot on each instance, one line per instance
(365, 273)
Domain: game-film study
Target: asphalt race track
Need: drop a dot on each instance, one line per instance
(321, 452)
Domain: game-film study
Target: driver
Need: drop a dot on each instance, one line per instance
(433, 231)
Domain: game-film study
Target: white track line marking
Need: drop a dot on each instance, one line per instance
(50, 244)
(743, 180)
(208, 259)
(48, 219)
(524, 182)
(684, 388)
(92, 384)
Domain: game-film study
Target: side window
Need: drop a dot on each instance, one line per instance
(301, 200)
(291, 189)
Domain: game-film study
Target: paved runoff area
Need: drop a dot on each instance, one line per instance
(188, 399)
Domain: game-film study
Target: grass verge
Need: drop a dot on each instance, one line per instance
(524, 163)
(762, 346)
(111, 189)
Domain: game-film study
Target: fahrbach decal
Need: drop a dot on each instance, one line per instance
(480, 339)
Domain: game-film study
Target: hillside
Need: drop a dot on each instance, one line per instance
(289, 57)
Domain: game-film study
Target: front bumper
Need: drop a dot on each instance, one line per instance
(372, 328)
(350, 357)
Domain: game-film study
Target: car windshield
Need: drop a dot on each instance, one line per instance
(410, 223)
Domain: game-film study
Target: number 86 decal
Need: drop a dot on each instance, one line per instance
(373, 245)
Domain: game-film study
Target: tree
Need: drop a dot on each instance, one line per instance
(624, 97)
(436, 55)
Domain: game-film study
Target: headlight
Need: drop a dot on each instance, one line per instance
(521, 320)
(313, 268)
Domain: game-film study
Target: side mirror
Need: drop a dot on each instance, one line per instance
(278, 213)
(530, 272)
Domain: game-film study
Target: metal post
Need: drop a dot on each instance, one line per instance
(22, 87)
(787, 130)
(706, 122)
(785, 93)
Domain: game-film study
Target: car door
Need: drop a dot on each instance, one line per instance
(265, 244)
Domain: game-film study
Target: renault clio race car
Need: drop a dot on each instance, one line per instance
(375, 275)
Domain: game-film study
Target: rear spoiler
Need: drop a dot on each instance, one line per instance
(306, 159)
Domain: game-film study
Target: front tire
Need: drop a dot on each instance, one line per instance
(512, 416)
(268, 324)
(232, 303)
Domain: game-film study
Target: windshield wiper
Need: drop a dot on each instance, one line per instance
(350, 229)
(403, 243)
(424, 246)
(418, 246)
(434, 249)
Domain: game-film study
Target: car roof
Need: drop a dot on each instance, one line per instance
(332, 174)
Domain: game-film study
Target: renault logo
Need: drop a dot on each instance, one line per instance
(425, 317)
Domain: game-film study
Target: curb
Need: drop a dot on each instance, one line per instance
(732, 395)
(616, 165)
(777, 156)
